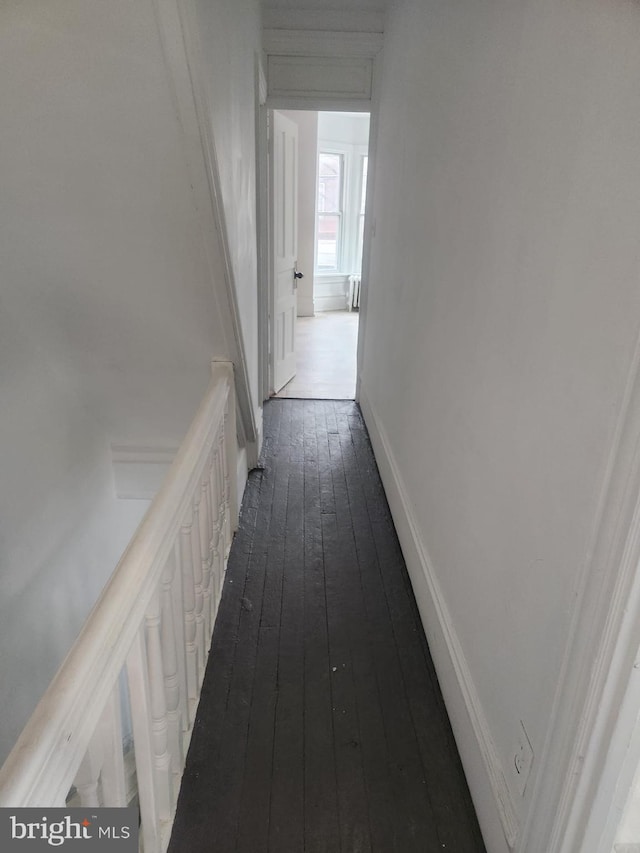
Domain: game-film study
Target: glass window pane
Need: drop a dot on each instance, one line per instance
(327, 240)
(329, 182)
(330, 164)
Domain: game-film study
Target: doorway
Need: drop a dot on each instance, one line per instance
(317, 192)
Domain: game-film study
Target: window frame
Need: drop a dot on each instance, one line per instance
(363, 170)
(349, 251)
(335, 150)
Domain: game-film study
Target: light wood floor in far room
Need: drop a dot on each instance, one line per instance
(326, 357)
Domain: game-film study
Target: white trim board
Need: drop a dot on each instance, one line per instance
(264, 249)
(345, 78)
(319, 103)
(485, 773)
(262, 229)
(321, 43)
(369, 220)
(343, 21)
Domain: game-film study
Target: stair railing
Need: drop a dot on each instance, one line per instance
(114, 725)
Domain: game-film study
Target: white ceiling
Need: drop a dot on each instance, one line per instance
(329, 5)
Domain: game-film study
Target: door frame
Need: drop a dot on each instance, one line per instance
(262, 228)
(265, 278)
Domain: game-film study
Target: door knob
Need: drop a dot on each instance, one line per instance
(297, 274)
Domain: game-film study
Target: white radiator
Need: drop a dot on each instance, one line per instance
(354, 292)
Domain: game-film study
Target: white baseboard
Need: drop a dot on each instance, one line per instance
(483, 768)
(330, 303)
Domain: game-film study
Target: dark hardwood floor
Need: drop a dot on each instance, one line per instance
(321, 727)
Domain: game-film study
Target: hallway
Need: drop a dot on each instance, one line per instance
(321, 725)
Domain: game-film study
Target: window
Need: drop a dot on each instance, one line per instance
(364, 162)
(329, 218)
(340, 204)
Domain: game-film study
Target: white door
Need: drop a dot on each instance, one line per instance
(284, 216)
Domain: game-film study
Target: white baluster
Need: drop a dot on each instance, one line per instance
(216, 556)
(190, 630)
(226, 488)
(114, 782)
(221, 489)
(231, 460)
(179, 628)
(140, 695)
(159, 723)
(170, 669)
(197, 582)
(87, 779)
(149, 712)
(212, 554)
(205, 541)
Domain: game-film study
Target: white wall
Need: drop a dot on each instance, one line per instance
(230, 36)
(346, 128)
(307, 121)
(355, 5)
(108, 314)
(502, 314)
